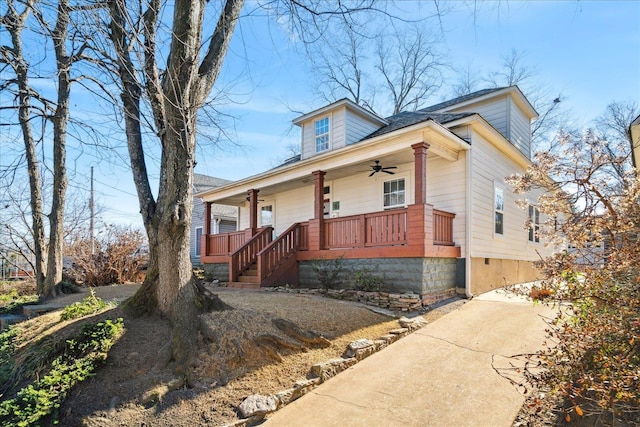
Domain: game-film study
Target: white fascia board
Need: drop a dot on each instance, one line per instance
(519, 97)
(341, 103)
(484, 128)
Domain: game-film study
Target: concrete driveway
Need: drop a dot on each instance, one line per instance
(449, 373)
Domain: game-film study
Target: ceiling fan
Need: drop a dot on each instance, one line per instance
(378, 168)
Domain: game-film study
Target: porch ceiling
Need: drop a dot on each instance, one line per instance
(352, 160)
(360, 169)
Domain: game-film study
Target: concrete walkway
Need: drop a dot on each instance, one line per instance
(442, 375)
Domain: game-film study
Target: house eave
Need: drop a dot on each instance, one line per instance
(515, 91)
(443, 143)
(346, 103)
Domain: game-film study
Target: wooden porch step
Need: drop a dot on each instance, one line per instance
(243, 285)
(250, 272)
(249, 279)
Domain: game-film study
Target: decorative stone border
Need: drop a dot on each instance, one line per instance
(404, 302)
(255, 407)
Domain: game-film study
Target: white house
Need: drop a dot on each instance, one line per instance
(418, 199)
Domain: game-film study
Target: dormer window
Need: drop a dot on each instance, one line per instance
(322, 134)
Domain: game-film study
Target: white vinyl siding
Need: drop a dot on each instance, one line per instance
(490, 166)
(520, 130)
(495, 111)
(446, 190)
(345, 127)
(358, 127)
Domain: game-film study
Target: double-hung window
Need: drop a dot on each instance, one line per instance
(198, 240)
(534, 224)
(498, 208)
(322, 134)
(394, 193)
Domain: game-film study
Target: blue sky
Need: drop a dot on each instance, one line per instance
(589, 51)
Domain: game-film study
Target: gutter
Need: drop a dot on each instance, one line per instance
(467, 246)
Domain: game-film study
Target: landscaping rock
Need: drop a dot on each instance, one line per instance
(10, 319)
(329, 369)
(360, 349)
(258, 404)
(413, 323)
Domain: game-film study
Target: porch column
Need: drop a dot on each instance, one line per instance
(420, 214)
(420, 162)
(253, 211)
(204, 244)
(316, 225)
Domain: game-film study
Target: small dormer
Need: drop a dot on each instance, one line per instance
(506, 109)
(334, 126)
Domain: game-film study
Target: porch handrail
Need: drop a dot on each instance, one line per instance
(279, 250)
(225, 243)
(383, 228)
(443, 228)
(247, 254)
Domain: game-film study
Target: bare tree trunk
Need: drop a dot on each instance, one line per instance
(14, 22)
(60, 118)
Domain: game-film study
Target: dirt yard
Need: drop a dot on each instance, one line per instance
(131, 389)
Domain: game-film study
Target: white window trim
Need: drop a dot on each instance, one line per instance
(198, 250)
(498, 186)
(536, 227)
(271, 203)
(315, 136)
(407, 189)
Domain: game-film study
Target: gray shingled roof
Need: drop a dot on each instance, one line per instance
(204, 182)
(409, 118)
(460, 99)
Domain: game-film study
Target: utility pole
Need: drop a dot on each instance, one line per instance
(91, 213)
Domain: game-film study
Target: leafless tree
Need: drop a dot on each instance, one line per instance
(407, 62)
(615, 125)
(35, 111)
(170, 85)
(514, 70)
(411, 67)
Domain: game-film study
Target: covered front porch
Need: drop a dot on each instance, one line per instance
(256, 258)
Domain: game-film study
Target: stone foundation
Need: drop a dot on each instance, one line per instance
(397, 275)
(389, 301)
(218, 271)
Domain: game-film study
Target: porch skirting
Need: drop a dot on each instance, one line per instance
(418, 275)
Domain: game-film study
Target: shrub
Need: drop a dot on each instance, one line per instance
(365, 281)
(79, 361)
(593, 360)
(328, 272)
(89, 305)
(116, 257)
(13, 301)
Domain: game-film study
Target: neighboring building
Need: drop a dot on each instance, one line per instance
(634, 131)
(418, 199)
(224, 219)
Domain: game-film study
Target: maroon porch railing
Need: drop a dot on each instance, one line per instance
(373, 229)
(226, 243)
(443, 228)
(247, 254)
(304, 236)
(278, 251)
